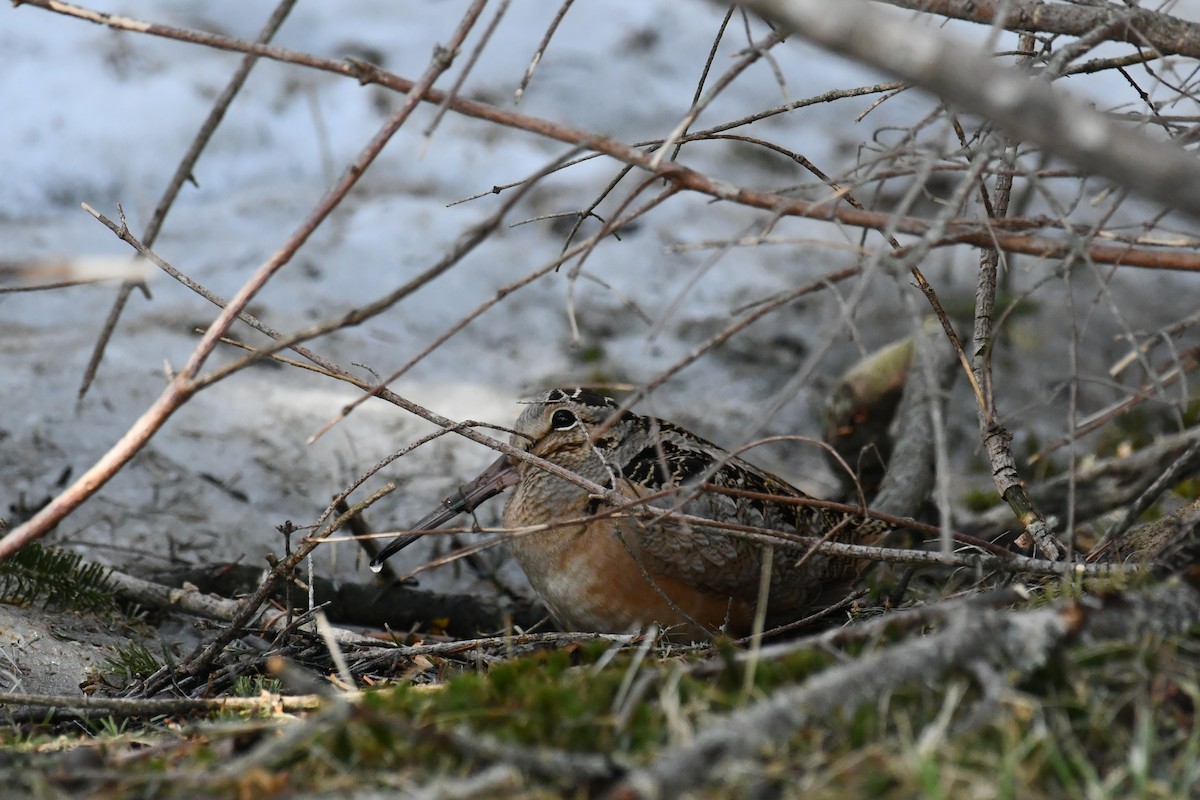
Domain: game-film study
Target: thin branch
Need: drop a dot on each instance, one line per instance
(469, 19)
(183, 173)
(1186, 464)
(541, 50)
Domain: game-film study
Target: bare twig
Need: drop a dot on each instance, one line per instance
(149, 707)
(183, 173)
(1167, 375)
(471, 15)
(1186, 464)
(541, 50)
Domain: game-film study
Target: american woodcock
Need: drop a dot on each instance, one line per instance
(599, 567)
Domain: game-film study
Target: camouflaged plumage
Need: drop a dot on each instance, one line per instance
(639, 456)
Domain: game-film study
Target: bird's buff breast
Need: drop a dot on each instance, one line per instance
(590, 578)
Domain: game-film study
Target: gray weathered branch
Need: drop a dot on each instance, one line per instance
(1029, 109)
(1168, 35)
(1016, 641)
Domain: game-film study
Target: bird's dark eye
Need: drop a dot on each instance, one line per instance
(563, 420)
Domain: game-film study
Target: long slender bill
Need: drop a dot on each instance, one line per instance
(491, 482)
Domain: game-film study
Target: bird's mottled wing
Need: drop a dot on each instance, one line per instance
(715, 558)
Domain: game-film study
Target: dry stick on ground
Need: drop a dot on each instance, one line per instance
(544, 762)
(197, 603)
(495, 780)
(388, 658)
(1015, 641)
(958, 232)
(138, 707)
(183, 173)
(182, 387)
(353, 605)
